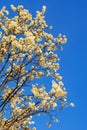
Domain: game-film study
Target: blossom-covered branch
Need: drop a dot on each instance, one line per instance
(27, 53)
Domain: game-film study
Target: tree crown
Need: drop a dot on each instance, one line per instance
(28, 53)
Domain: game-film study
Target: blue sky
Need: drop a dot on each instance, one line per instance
(70, 18)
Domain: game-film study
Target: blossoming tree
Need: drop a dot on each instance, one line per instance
(28, 53)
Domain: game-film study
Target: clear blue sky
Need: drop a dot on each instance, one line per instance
(70, 18)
